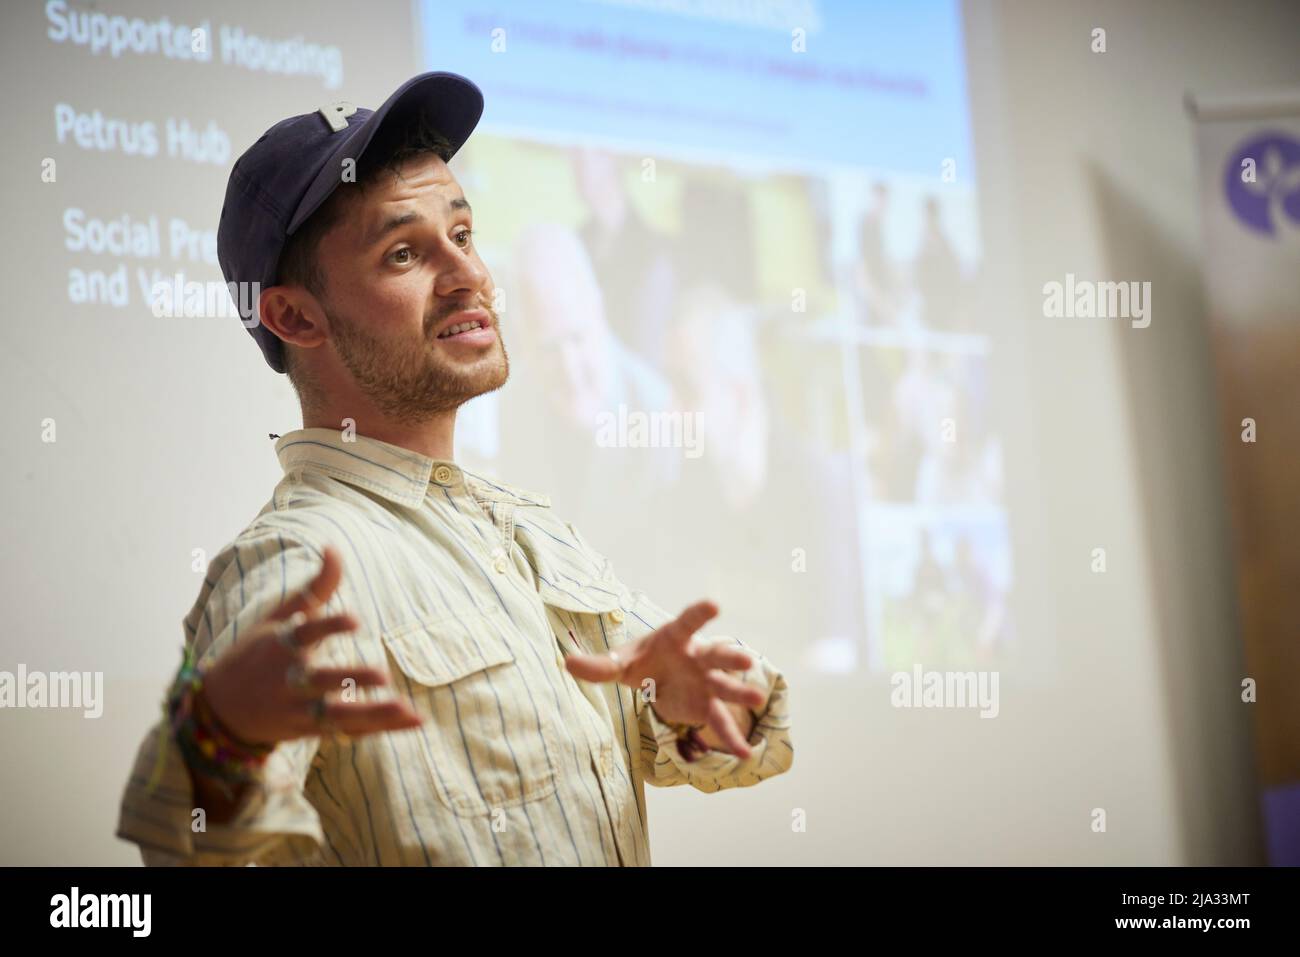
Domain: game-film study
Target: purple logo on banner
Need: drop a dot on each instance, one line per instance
(1275, 187)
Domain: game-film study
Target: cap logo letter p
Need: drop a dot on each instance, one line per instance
(336, 114)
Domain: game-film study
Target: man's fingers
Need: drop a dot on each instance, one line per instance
(314, 630)
(690, 621)
(724, 726)
(725, 658)
(326, 680)
(731, 689)
(368, 717)
(356, 718)
(318, 591)
(594, 667)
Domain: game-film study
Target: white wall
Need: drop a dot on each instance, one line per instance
(1101, 180)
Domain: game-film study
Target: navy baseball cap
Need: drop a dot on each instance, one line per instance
(289, 173)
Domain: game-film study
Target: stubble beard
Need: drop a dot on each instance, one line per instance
(413, 383)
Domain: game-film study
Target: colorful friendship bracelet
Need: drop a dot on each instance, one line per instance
(208, 747)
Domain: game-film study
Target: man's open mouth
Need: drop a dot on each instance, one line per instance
(461, 327)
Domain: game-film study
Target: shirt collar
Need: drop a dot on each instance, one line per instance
(398, 474)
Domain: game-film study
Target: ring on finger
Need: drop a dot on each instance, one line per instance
(297, 677)
(286, 632)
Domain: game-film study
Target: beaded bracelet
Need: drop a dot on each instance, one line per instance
(208, 747)
(689, 743)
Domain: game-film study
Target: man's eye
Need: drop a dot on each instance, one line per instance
(463, 236)
(404, 251)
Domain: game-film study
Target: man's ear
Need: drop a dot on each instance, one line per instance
(293, 314)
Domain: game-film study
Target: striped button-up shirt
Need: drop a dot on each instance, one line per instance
(469, 593)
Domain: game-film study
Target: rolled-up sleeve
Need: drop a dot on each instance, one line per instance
(771, 749)
(275, 822)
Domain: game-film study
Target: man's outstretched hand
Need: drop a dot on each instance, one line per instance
(690, 683)
(248, 689)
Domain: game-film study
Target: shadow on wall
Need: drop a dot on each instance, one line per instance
(1168, 371)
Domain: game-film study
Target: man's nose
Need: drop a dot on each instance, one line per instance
(459, 274)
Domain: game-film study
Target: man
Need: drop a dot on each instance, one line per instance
(478, 687)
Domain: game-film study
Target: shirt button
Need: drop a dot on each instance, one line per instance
(501, 564)
(442, 475)
(616, 616)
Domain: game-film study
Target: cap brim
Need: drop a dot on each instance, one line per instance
(451, 104)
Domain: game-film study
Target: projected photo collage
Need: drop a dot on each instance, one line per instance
(787, 299)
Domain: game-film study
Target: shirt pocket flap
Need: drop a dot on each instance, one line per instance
(579, 595)
(438, 651)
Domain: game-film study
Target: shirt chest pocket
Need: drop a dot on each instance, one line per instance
(586, 616)
(486, 741)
